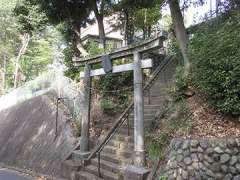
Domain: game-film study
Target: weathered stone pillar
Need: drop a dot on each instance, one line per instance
(137, 171)
(84, 141)
(139, 150)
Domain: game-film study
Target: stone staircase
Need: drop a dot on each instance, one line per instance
(118, 151)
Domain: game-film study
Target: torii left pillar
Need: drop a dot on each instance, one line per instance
(84, 141)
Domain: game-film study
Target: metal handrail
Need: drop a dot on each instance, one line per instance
(125, 114)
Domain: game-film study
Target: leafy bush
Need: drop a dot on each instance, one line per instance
(157, 148)
(107, 106)
(174, 49)
(117, 87)
(181, 84)
(215, 54)
(94, 49)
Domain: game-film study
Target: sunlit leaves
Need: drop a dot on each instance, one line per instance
(215, 54)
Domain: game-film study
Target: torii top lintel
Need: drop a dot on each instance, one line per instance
(142, 47)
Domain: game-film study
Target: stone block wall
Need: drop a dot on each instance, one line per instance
(208, 159)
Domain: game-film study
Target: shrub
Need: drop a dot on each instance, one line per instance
(215, 54)
(107, 106)
(173, 49)
(117, 87)
(181, 84)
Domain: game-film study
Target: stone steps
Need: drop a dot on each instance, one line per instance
(146, 116)
(113, 167)
(117, 159)
(124, 130)
(153, 101)
(151, 110)
(152, 106)
(68, 168)
(147, 123)
(83, 175)
(123, 137)
(126, 152)
(106, 175)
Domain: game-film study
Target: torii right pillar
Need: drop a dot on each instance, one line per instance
(138, 171)
(139, 149)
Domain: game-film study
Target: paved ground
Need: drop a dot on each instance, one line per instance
(6, 174)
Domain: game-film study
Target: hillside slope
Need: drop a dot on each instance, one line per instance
(27, 136)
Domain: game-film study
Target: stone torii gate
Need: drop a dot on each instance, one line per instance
(136, 51)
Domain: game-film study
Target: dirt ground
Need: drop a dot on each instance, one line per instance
(207, 122)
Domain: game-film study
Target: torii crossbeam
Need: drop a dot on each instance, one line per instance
(123, 52)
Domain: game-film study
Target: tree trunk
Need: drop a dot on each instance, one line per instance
(79, 44)
(149, 31)
(145, 25)
(180, 31)
(25, 38)
(217, 6)
(126, 27)
(101, 30)
(144, 32)
(99, 16)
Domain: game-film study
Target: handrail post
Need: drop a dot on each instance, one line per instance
(56, 121)
(149, 98)
(99, 164)
(128, 125)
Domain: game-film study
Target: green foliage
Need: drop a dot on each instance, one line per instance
(173, 49)
(77, 124)
(214, 51)
(152, 16)
(138, 3)
(93, 48)
(69, 52)
(181, 84)
(36, 59)
(41, 46)
(117, 86)
(107, 106)
(163, 178)
(9, 38)
(8, 33)
(59, 11)
(29, 16)
(157, 148)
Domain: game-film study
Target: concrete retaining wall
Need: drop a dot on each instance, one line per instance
(27, 136)
(204, 159)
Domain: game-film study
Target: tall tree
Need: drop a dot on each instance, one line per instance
(138, 14)
(98, 7)
(146, 18)
(9, 38)
(30, 20)
(180, 31)
(25, 38)
(74, 14)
